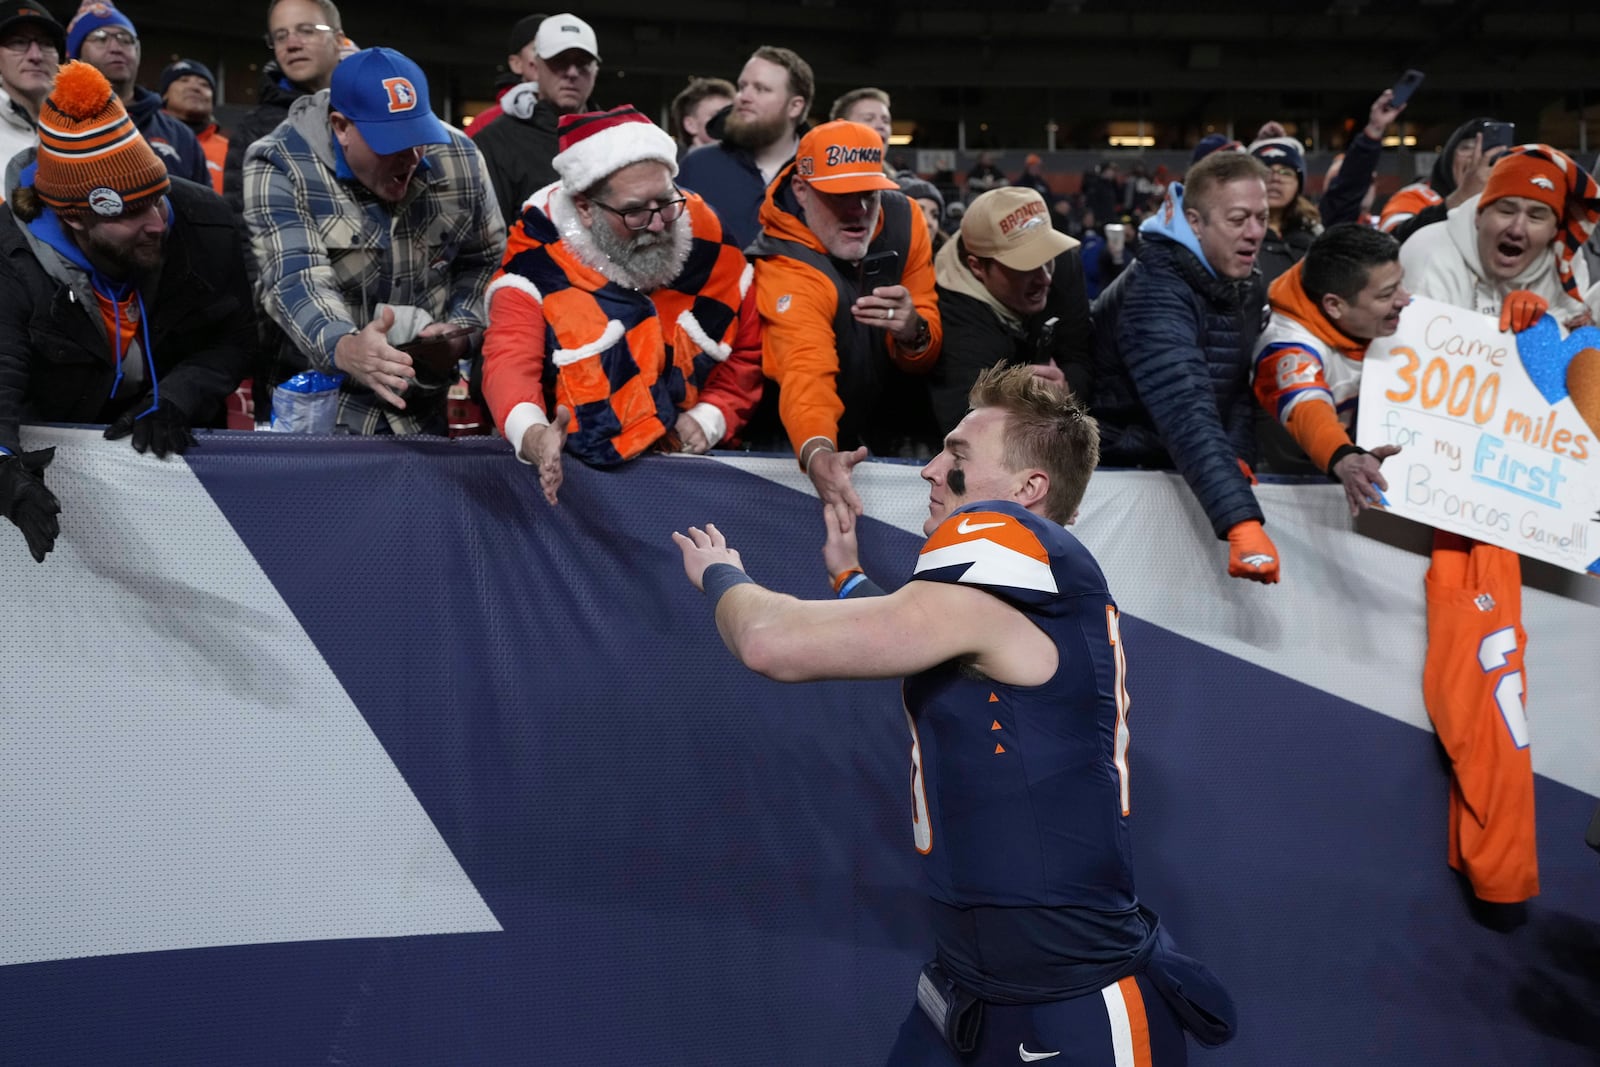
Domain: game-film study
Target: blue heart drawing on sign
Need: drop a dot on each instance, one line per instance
(1545, 354)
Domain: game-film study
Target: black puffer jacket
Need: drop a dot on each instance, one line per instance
(277, 94)
(1279, 252)
(518, 152)
(56, 363)
(1172, 367)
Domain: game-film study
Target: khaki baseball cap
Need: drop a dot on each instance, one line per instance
(1012, 225)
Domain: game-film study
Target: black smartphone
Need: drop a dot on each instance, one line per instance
(441, 352)
(879, 268)
(1499, 135)
(1408, 84)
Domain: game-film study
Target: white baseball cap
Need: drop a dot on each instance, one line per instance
(558, 33)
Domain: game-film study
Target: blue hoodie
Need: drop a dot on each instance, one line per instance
(1170, 223)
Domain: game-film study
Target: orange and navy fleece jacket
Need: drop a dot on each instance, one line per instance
(1306, 373)
(624, 362)
(798, 304)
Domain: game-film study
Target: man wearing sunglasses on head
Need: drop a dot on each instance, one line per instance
(104, 38)
(615, 275)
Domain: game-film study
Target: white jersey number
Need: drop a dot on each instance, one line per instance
(1494, 651)
(1120, 752)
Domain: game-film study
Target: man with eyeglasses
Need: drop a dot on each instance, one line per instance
(564, 59)
(373, 226)
(31, 43)
(304, 37)
(622, 321)
(104, 38)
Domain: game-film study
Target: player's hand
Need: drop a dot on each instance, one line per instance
(1363, 483)
(830, 473)
(691, 435)
(889, 307)
(1251, 553)
(541, 446)
(1520, 309)
(369, 358)
(702, 548)
(839, 550)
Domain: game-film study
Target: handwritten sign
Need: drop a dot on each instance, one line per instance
(1500, 434)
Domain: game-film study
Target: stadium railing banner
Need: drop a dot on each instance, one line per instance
(356, 751)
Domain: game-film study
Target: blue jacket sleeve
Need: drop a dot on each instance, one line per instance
(1159, 335)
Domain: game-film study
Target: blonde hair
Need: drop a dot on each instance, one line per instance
(1047, 428)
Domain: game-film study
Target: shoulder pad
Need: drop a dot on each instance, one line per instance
(994, 545)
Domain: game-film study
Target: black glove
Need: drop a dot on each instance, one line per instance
(25, 501)
(166, 429)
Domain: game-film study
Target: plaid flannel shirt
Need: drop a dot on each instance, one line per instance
(329, 251)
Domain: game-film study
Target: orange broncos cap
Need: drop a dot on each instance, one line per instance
(842, 157)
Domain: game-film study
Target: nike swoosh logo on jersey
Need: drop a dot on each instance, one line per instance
(967, 526)
(1029, 1057)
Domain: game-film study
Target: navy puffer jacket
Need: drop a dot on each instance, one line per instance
(1172, 375)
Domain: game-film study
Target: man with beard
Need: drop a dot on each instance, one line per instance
(638, 297)
(123, 295)
(31, 43)
(563, 59)
(373, 226)
(305, 37)
(104, 38)
(757, 139)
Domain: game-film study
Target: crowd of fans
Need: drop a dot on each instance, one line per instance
(373, 243)
(755, 279)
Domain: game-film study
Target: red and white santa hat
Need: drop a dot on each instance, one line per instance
(597, 144)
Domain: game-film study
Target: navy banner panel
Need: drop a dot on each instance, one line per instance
(692, 865)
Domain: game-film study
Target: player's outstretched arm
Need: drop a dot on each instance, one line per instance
(921, 625)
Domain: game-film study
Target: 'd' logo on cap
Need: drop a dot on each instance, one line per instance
(402, 94)
(1544, 183)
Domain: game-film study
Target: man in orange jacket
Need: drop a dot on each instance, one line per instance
(844, 283)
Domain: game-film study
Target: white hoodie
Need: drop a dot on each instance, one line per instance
(1441, 262)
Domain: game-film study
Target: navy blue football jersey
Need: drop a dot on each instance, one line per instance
(1021, 793)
